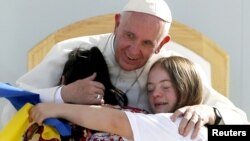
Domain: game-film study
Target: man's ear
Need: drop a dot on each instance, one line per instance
(164, 41)
(117, 21)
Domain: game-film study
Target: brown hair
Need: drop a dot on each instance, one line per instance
(185, 79)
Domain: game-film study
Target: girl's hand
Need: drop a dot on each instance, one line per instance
(42, 111)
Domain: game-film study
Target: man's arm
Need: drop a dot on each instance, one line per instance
(45, 77)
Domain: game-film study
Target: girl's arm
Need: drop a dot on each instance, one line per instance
(93, 117)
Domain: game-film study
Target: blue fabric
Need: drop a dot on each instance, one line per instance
(19, 98)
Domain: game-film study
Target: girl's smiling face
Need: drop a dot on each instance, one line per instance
(161, 93)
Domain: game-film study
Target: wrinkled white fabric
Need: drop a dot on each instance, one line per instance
(159, 127)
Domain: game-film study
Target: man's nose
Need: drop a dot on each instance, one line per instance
(135, 48)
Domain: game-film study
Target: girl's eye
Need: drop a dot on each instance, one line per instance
(165, 88)
(150, 88)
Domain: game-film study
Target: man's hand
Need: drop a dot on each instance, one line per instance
(84, 91)
(194, 117)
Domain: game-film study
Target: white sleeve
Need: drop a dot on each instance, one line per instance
(158, 127)
(48, 72)
(49, 94)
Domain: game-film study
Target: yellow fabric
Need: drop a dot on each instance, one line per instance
(14, 130)
(49, 133)
(19, 123)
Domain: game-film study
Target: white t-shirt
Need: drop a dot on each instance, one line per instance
(159, 127)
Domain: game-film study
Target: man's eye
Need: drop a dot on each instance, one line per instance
(130, 36)
(148, 44)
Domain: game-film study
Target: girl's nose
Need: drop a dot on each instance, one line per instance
(156, 93)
